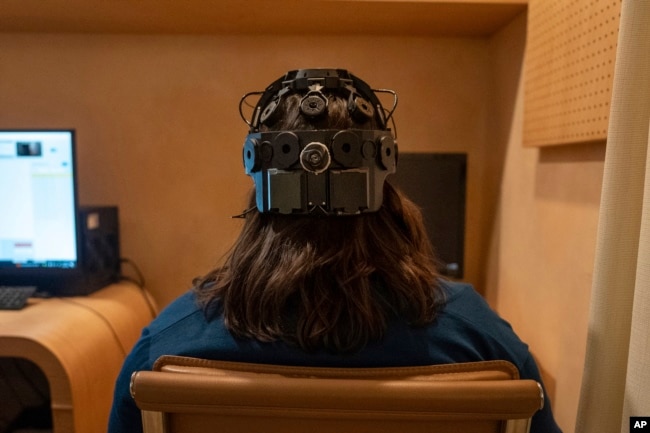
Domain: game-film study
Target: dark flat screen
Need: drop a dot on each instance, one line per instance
(436, 182)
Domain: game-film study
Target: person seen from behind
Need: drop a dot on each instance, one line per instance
(333, 266)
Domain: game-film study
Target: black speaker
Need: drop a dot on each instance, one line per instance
(100, 247)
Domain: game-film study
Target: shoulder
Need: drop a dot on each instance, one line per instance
(182, 308)
(462, 300)
(181, 326)
(468, 317)
(184, 328)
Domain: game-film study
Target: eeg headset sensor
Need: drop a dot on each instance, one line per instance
(320, 171)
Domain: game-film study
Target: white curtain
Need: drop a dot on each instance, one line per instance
(616, 379)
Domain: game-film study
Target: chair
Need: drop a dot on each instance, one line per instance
(183, 395)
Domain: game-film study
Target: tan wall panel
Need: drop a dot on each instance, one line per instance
(569, 70)
(160, 136)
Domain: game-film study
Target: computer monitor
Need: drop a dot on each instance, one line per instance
(39, 232)
(436, 182)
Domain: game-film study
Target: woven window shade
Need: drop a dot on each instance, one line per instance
(569, 68)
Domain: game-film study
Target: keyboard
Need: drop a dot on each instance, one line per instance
(15, 297)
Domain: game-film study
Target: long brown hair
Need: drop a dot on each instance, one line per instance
(329, 283)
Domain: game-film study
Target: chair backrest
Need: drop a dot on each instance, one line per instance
(185, 395)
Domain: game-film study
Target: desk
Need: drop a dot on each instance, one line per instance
(79, 343)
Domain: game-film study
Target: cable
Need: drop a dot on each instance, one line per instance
(140, 283)
(102, 317)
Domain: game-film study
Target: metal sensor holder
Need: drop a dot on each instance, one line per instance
(319, 172)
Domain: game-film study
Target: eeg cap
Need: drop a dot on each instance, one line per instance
(319, 171)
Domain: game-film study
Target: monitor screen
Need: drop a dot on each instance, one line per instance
(38, 204)
(436, 182)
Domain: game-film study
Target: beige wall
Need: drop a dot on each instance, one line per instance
(159, 132)
(542, 240)
(159, 135)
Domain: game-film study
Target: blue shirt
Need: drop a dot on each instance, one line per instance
(466, 329)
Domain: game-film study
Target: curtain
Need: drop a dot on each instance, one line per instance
(616, 377)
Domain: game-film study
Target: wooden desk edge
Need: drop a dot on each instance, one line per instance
(77, 404)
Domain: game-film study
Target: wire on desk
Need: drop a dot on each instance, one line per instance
(138, 281)
(102, 317)
(140, 278)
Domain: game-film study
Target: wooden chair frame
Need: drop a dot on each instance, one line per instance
(189, 395)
